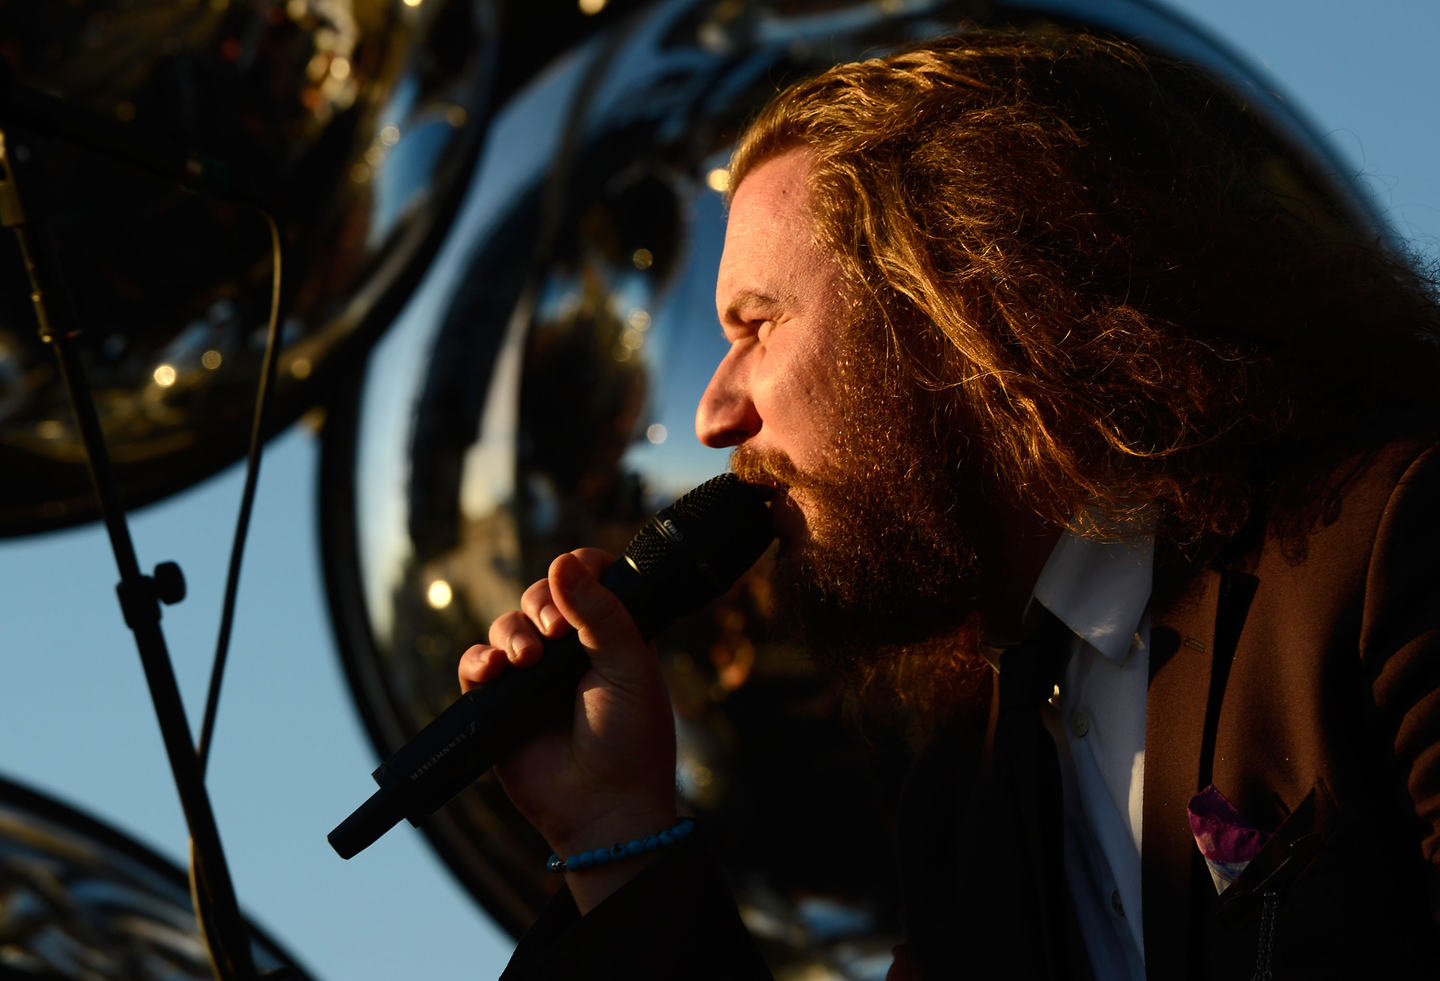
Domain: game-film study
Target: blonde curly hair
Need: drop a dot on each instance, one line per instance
(1130, 290)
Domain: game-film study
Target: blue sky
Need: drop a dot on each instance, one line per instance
(290, 757)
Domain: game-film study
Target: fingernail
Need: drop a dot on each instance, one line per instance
(548, 616)
(523, 646)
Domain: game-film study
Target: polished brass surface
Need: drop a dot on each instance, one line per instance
(80, 900)
(353, 121)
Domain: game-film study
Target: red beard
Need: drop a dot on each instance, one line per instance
(881, 587)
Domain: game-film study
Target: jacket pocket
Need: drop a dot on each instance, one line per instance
(1259, 889)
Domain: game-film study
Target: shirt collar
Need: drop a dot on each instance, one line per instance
(1099, 589)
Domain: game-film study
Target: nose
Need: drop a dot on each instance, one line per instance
(727, 415)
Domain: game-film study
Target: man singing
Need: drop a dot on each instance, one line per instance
(1103, 455)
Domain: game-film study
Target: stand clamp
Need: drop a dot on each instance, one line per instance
(140, 598)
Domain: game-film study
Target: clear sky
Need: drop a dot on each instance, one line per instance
(290, 757)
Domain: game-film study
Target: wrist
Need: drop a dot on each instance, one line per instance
(614, 827)
(592, 885)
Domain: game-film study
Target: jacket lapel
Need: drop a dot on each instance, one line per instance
(940, 799)
(1182, 639)
(936, 886)
(1192, 643)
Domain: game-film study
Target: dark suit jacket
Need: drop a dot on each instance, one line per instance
(1301, 677)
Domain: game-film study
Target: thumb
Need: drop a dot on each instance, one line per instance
(604, 625)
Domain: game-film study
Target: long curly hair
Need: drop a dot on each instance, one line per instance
(1132, 292)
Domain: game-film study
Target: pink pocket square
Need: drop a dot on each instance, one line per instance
(1226, 839)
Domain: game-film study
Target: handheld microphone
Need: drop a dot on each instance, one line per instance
(687, 555)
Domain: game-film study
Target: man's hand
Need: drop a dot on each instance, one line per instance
(610, 776)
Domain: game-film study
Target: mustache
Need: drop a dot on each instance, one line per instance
(765, 468)
(775, 470)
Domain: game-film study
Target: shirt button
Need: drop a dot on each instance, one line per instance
(1115, 903)
(1079, 723)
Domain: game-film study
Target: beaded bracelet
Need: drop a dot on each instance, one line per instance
(635, 846)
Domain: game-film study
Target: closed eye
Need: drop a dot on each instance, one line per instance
(755, 327)
(748, 310)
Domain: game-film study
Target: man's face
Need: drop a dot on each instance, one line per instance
(781, 300)
(878, 563)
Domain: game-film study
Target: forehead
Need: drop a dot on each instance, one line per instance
(770, 237)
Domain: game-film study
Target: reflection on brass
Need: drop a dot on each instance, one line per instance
(170, 289)
(78, 900)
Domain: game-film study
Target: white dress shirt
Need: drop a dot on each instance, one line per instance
(1101, 591)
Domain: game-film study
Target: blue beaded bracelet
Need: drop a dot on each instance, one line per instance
(635, 846)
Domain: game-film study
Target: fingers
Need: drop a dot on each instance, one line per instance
(517, 638)
(605, 625)
(540, 608)
(595, 560)
(479, 664)
(538, 602)
(515, 635)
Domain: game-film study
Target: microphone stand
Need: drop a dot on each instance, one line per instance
(226, 935)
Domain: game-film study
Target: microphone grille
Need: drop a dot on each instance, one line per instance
(715, 532)
(647, 549)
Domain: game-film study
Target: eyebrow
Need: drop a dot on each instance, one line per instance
(746, 297)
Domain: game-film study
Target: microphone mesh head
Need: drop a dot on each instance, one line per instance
(647, 549)
(717, 495)
(715, 533)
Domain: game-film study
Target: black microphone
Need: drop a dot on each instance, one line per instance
(687, 555)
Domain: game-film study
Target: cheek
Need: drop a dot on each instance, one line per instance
(802, 412)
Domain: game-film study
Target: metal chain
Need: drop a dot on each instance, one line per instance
(1266, 952)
